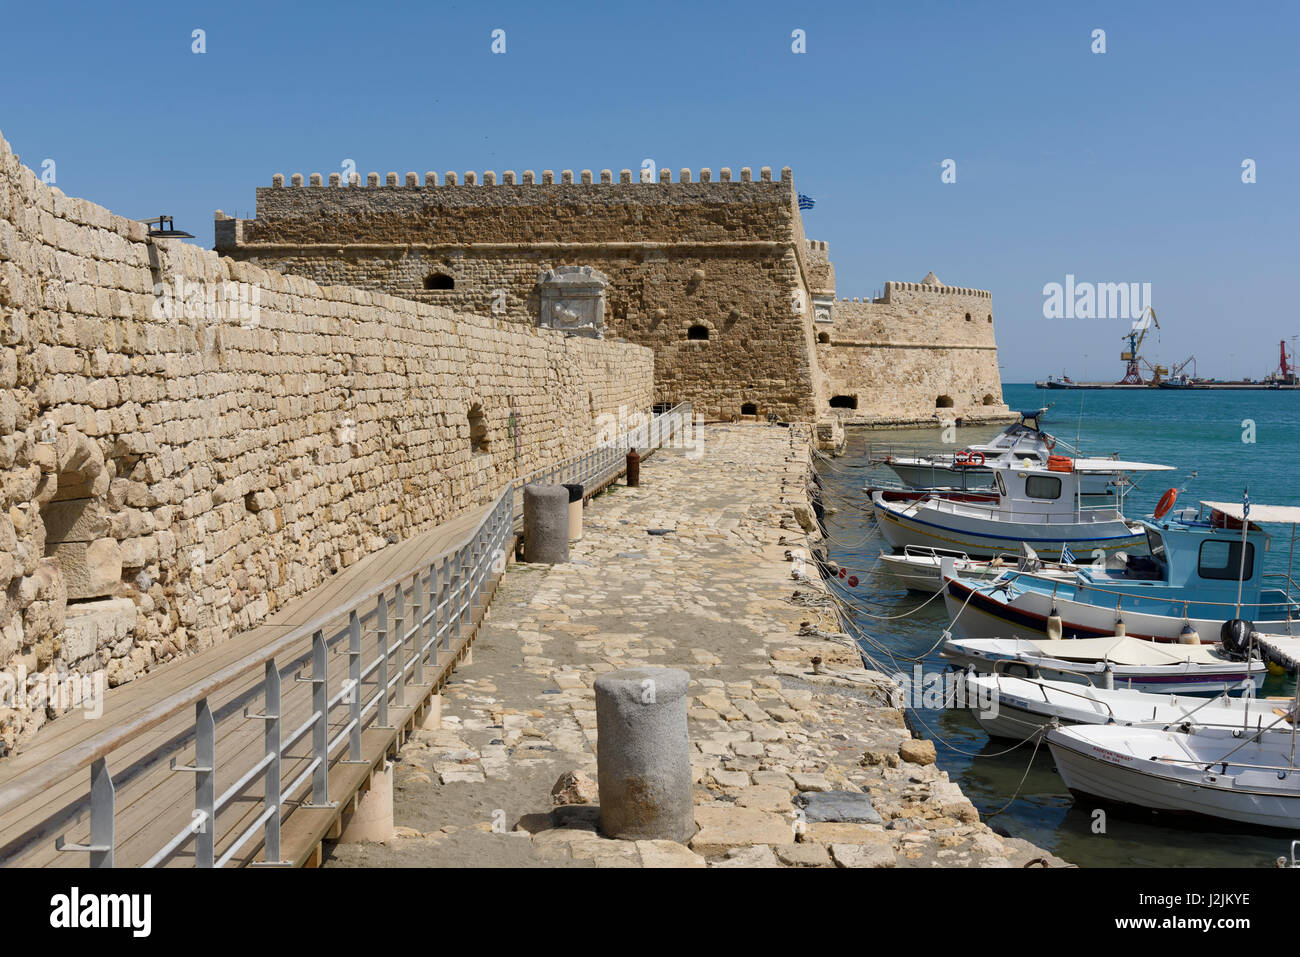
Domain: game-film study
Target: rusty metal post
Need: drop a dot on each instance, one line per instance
(633, 469)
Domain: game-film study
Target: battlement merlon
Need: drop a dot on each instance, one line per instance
(644, 177)
(701, 208)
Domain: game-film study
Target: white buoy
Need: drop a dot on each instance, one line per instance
(1055, 626)
(1189, 635)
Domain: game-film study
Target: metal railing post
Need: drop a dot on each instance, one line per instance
(102, 797)
(205, 785)
(444, 600)
(457, 594)
(417, 630)
(381, 676)
(271, 743)
(400, 647)
(354, 676)
(320, 738)
(433, 616)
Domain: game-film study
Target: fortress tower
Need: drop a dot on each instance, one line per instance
(711, 271)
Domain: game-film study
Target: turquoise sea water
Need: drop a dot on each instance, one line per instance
(1198, 432)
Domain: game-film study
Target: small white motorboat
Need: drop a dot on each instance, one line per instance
(920, 567)
(1017, 708)
(1248, 778)
(1117, 661)
(1021, 443)
(1039, 507)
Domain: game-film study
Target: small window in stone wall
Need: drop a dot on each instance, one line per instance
(968, 317)
(844, 402)
(749, 408)
(823, 337)
(989, 400)
(478, 430)
(990, 317)
(943, 402)
(697, 332)
(439, 280)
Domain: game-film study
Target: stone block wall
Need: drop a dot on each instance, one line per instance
(187, 442)
(922, 352)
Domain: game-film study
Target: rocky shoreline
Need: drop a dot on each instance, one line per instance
(799, 757)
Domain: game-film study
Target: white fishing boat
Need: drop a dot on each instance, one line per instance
(1249, 778)
(1023, 443)
(1017, 708)
(1036, 506)
(1117, 661)
(919, 567)
(1202, 570)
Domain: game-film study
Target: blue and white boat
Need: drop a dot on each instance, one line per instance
(1203, 570)
(1036, 506)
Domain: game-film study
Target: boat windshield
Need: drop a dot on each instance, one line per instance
(1220, 560)
(1155, 544)
(1002, 486)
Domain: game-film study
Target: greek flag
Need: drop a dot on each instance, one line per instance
(1067, 556)
(1245, 505)
(806, 202)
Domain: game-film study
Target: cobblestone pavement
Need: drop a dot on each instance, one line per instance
(713, 595)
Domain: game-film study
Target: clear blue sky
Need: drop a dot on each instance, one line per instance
(1122, 166)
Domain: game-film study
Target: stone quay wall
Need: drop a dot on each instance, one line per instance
(922, 352)
(186, 441)
(705, 255)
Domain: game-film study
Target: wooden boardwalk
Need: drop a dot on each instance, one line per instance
(155, 802)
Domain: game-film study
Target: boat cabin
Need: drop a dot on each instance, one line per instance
(1201, 554)
(1032, 492)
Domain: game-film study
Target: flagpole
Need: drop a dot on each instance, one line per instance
(1245, 525)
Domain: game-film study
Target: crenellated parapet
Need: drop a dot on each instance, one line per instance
(586, 177)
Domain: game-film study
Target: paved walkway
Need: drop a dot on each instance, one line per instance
(714, 596)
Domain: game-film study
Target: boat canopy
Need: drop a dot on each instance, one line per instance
(1123, 650)
(1119, 465)
(1284, 514)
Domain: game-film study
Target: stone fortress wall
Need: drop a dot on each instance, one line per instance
(921, 351)
(720, 254)
(173, 469)
(706, 255)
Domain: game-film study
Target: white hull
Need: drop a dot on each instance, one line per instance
(1131, 767)
(1017, 707)
(1025, 616)
(988, 537)
(1019, 659)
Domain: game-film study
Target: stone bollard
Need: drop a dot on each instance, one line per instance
(643, 755)
(575, 511)
(633, 469)
(546, 524)
(373, 819)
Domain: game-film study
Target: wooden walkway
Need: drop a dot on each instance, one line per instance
(155, 802)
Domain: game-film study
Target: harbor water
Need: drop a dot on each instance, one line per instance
(1231, 441)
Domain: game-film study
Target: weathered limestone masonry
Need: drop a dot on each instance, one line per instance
(174, 467)
(798, 757)
(923, 351)
(713, 273)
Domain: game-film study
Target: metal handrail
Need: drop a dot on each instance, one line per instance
(441, 593)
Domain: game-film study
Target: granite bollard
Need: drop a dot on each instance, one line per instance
(643, 757)
(546, 524)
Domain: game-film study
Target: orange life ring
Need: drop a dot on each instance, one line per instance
(1166, 503)
(1049, 441)
(976, 459)
(961, 458)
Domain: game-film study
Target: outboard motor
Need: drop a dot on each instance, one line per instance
(1235, 635)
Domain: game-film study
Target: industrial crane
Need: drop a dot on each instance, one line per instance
(1134, 337)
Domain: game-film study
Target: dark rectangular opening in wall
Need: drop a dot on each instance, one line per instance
(844, 402)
